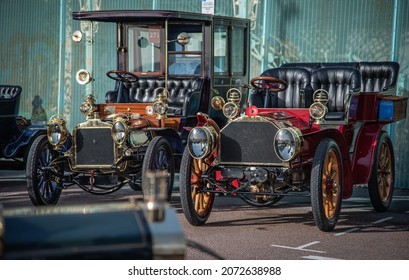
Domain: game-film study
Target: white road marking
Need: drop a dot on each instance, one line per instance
(346, 231)
(382, 220)
(311, 257)
(301, 248)
(308, 244)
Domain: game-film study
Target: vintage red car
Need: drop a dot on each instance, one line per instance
(315, 128)
(169, 66)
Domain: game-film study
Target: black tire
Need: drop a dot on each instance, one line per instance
(159, 156)
(44, 184)
(250, 199)
(326, 194)
(194, 214)
(382, 180)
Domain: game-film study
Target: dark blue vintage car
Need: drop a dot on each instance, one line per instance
(17, 133)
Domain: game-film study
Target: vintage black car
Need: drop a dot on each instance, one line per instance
(169, 66)
(312, 129)
(17, 132)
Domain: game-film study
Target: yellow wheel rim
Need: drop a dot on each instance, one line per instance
(330, 184)
(201, 200)
(385, 176)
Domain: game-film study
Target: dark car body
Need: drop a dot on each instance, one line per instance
(169, 66)
(17, 132)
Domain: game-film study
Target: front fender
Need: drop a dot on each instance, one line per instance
(364, 152)
(29, 134)
(171, 135)
(335, 134)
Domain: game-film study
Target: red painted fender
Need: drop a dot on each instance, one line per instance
(364, 152)
(336, 135)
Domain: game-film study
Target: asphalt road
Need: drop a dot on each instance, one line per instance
(283, 232)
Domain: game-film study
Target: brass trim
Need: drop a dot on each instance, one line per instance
(298, 142)
(126, 130)
(212, 140)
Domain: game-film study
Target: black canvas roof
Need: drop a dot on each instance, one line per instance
(137, 15)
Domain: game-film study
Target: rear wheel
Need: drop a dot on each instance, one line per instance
(44, 182)
(326, 185)
(381, 183)
(159, 156)
(196, 203)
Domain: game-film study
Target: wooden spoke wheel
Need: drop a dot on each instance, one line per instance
(326, 185)
(196, 202)
(381, 182)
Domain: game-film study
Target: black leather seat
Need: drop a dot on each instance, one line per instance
(184, 94)
(9, 106)
(297, 95)
(340, 64)
(310, 66)
(341, 83)
(9, 100)
(378, 76)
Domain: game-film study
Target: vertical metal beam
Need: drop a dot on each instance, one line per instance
(394, 31)
(61, 60)
(392, 127)
(264, 48)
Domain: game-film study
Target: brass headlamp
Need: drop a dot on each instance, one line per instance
(319, 108)
(160, 107)
(57, 132)
(231, 108)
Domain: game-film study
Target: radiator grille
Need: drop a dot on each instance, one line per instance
(94, 147)
(248, 142)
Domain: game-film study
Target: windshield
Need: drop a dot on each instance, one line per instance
(146, 51)
(144, 48)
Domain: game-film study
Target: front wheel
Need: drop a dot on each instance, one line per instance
(326, 185)
(381, 183)
(159, 156)
(196, 203)
(44, 178)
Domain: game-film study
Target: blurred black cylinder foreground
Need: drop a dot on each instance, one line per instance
(100, 231)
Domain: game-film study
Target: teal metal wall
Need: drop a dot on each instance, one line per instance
(37, 53)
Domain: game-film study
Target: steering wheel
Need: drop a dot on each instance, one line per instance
(122, 76)
(268, 84)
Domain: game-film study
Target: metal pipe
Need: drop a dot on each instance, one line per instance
(394, 30)
(60, 96)
(391, 128)
(166, 55)
(263, 38)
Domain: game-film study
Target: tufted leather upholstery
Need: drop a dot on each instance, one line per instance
(378, 76)
(184, 94)
(340, 64)
(297, 95)
(375, 76)
(9, 100)
(310, 66)
(340, 82)
(9, 105)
